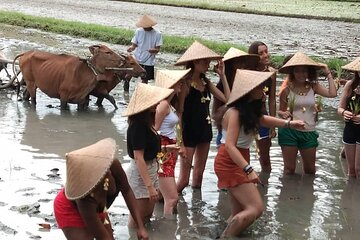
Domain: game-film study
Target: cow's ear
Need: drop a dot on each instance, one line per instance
(93, 49)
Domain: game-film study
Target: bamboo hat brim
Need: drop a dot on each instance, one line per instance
(299, 59)
(197, 51)
(146, 21)
(144, 97)
(168, 78)
(234, 53)
(353, 66)
(86, 167)
(245, 81)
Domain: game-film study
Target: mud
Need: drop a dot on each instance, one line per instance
(283, 35)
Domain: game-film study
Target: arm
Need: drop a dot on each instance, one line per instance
(233, 129)
(269, 121)
(132, 47)
(123, 185)
(341, 110)
(154, 50)
(88, 210)
(326, 92)
(272, 102)
(141, 165)
(162, 110)
(222, 96)
(283, 111)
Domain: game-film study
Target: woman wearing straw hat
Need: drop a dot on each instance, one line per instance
(166, 122)
(143, 146)
(146, 43)
(349, 110)
(233, 59)
(231, 165)
(297, 101)
(94, 179)
(263, 141)
(194, 111)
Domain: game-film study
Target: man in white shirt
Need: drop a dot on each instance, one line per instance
(146, 43)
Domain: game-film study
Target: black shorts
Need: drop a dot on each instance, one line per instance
(149, 72)
(351, 133)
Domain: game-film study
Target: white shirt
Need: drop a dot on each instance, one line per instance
(144, 41)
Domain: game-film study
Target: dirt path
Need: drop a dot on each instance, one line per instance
(283, 35)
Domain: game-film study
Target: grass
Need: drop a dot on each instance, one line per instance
(172, 44)
(348, 11)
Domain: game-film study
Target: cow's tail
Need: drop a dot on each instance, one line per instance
(16, 75)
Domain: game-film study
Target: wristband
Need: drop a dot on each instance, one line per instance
(248, 169)
(287, 123)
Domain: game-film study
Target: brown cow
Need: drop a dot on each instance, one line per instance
(66, 77)
(130, 69)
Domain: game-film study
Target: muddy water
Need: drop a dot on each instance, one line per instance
(34, 141)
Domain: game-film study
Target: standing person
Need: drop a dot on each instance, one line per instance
(233, 59)
(263, 142)
(297, 101)
(195, 113)
(146, 43)
(143, 145)
(94, 179)
(239, 125)
(166, 121)
(349, 110)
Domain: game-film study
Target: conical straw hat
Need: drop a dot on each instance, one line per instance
(195, 52)
(245, 81)
(86, 167)
(144, 97)
(168, 78)
(299, 59)
(237, 53)
(146, 21)
(353, 66)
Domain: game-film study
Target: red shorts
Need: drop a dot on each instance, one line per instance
(66, 213)
(168, 166)
(228, 172)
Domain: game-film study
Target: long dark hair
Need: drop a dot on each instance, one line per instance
(146, 117)
(250, 113)
(254, 47)
(192, 66)
(356, 81)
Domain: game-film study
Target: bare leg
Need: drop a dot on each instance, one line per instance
(308, 158)
(247, 199)
(201, 155)
(77, 234)
(185, 169)
(264, 152)
(146, 208)
(168, 189)
(357, 160)
(350, 158)
(289, 156)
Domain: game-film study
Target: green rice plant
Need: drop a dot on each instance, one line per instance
(354, 105)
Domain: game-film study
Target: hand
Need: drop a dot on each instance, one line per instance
(272, 133)
(153, 194)
(153, 50)
(220, 68)
(356, 119)
(130, 49)
(172, 147)
(325, 69)
(297, 124)
(253, 176)
(142, 234)
(347, 115)
(182, 152)
(284, 114)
